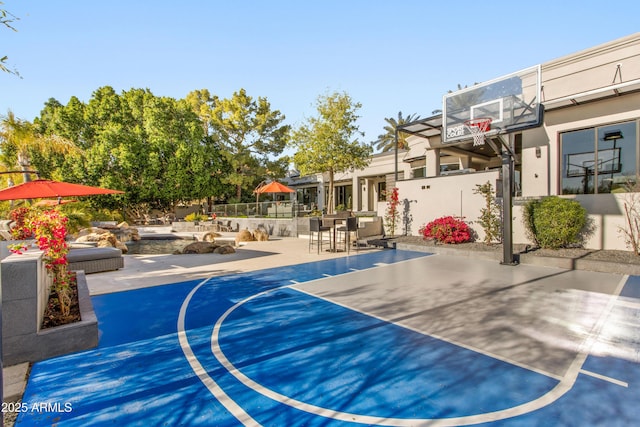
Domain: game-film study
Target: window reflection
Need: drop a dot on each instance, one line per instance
(599, 160)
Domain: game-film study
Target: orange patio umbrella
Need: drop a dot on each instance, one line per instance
(274, 187)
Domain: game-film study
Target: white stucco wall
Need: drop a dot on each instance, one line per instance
(431, 198)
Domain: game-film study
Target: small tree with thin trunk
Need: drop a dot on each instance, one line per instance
(329, 142)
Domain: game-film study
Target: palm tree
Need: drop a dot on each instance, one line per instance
(18, 138)
(387, 141)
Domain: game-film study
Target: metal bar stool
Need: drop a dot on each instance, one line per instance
(351, 225)
(316, 229)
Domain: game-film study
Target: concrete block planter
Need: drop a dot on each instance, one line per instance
(25, 292)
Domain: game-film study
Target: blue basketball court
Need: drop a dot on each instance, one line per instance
(391, 338)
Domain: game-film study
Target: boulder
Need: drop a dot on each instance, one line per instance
(89, 231)
(199, 248)
(261, 235)
(105, 239)
(244, 236)
(224, 250)
(124, 248)
(210, 236)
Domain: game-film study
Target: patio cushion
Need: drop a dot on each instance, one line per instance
(95, 260)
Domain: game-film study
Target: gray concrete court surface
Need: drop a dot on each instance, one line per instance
(535, 317)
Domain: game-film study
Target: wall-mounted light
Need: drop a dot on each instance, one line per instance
(538, 152)
(613, 135)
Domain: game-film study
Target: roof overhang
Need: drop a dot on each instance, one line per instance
(610, 91)
(425, 128)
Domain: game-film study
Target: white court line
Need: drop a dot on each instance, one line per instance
(605, 378)
(438, 337)
(551, 396)
(213, 387)
(564, 385)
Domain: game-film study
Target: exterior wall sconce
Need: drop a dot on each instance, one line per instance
(613, 135)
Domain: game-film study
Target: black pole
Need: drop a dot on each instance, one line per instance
(507, 203)
(396, 157)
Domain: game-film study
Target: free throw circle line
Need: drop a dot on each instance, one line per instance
(213, 387)
(565, 384)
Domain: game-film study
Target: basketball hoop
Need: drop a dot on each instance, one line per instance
(478, 128)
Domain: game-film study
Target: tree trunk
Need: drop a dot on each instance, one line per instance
(331, 205)
(25, 165)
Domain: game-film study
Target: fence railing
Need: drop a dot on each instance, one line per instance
(282, 209)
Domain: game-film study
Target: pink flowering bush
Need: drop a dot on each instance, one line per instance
(49, 230)
(447, 230)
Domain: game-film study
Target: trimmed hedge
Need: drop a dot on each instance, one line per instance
(554, 222)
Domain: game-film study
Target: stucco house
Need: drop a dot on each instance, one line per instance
(587, 148)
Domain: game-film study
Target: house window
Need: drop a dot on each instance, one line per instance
(382, 191)
(599, 160)
(343, 195)
(419, 172)
(308, 196)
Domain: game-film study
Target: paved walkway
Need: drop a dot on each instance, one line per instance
(284, 337)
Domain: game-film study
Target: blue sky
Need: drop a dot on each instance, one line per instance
(389, 56)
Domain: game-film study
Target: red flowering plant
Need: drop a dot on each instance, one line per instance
(392, 213)
(49, 229)
(447, 230)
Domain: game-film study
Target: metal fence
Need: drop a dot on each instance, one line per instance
(281, 209)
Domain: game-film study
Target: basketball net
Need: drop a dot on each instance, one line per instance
(478, 128)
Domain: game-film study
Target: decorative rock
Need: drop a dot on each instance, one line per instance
(124, 248)
(224, 250)
(199, 248)
(210, 236)
(89, 231)
(244, 236)
(261, 235)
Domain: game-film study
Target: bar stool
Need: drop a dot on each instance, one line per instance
(316, 229)
(351, 225)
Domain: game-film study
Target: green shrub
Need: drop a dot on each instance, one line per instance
(195, 217)
(553, 222)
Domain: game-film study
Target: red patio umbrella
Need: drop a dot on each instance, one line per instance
(43, 188)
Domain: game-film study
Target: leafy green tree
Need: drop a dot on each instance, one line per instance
(251, 136)
(329, 142)
(153, 148)
(20, 141)
(387, 141)
(202, 103)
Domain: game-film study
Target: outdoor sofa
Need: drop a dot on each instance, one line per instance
(95, 260)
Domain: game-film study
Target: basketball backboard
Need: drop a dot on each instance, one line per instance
(512, 102)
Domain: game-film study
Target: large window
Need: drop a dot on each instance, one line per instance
(599, 160)
(343, 196)
(308, 197)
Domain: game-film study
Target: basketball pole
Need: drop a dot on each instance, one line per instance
(507, 201)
